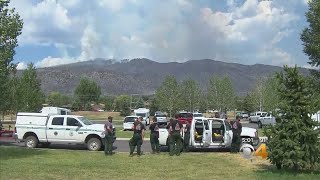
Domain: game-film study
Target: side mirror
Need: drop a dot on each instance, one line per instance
(78, 124)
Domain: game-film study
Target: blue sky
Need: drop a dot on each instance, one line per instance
(243, 31)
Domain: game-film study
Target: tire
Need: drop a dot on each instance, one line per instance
(94, 144)
(250, 120)
(259, 124)
(31, 142)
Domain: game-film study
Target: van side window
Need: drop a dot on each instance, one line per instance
(206, 125)
(63, 112)
(58, 121)
(72, 122)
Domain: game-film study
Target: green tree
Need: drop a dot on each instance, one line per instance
(264, 95)
(87, 91)
(167, 95)
(189, 95)
(203, 103)
(140, 103)
(10, 28)
(221, 93)
(58, 99)
(310, 37)
(29, 93)
(293, 142)
(122, 104)
(154, 106)
(108, 102)
(248, 105)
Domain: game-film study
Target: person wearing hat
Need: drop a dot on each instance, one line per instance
(108, 129)
(154, 136)
(236, 139)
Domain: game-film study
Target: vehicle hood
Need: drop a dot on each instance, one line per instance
(96, 127)
(246, 131)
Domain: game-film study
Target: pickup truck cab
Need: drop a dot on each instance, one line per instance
(254, 117)
(39, 128)
(212, 133)
(266, 120)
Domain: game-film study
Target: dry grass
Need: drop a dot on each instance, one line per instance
(99, 115)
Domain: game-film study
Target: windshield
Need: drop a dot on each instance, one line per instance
(160, 115)
(185, 115)
(197, 115)
(85, 121)
(130, 119)
(141, 114)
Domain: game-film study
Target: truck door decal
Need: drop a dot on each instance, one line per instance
(55, 133)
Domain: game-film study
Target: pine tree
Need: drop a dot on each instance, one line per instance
(293, 142)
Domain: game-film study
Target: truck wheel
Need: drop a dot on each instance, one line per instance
(259, 124)
(31, 142)
(94, 144)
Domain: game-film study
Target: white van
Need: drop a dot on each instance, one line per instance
(144, 113)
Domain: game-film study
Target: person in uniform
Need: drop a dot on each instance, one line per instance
(154, 136)
(236, 139)
(138, 136)
(186, 138)
(175, 144)
(108, 129)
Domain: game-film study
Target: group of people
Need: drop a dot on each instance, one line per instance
(175, 141)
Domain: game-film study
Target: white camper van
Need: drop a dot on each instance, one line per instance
(55, 111)
(144, 113)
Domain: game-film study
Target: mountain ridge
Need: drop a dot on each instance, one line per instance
(144, 76)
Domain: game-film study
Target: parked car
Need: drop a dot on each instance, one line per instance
(266, 120)
(40, 128)
(161, 118)
(244, 115)
(128, 122)
(183, 117)
(197, 115)
(255, 116)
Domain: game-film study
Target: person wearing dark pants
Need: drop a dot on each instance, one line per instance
(108, 128)
(138, 136)
(175, 142)
(236, 139)
(154, 136)
(186, 138)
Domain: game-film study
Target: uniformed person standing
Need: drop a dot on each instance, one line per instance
(108, 129)
(236, 139)
(186, 138)
(138, 136)
(175, 144)
(154, 136)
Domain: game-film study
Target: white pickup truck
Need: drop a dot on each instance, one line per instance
(266, 120)
(40, 128)
(212, 133)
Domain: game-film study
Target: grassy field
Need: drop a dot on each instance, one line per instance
(21, 163)
(128, 134)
